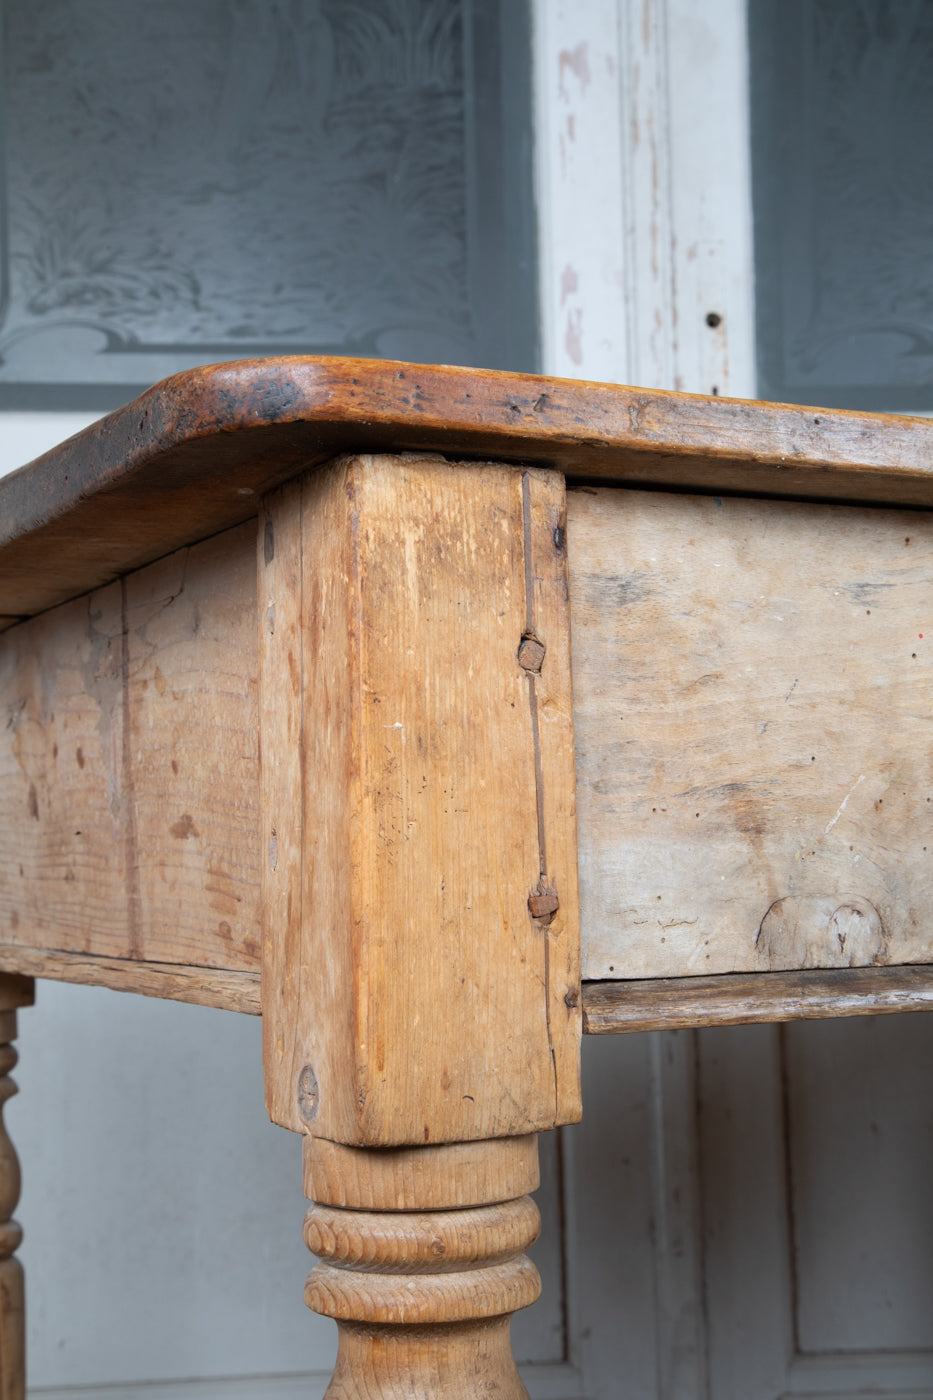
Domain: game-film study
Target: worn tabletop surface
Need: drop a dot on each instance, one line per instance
(191, 456)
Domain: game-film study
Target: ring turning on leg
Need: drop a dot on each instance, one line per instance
(423, 1298)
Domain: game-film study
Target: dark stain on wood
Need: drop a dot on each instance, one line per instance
(184, 827)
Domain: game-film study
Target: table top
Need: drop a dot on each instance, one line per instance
(192, 455)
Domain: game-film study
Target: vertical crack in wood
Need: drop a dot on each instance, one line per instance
(539, 773)
(133, 890)
(532, 692)
(302, 767)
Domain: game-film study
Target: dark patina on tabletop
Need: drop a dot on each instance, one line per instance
(191, 456)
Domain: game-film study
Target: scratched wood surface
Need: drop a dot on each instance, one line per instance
(674, 1003)
(129, 770)
(192, 455)
(752, 687)
(420, 953)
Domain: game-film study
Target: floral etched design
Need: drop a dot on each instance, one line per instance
(231, 177)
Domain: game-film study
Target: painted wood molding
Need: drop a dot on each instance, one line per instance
(644, 188)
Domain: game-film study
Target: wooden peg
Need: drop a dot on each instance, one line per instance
(423, 1296)
(14, 992)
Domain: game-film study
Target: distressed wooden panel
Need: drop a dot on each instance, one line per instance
(414, 990)
(203, 986)
(753, 718)
(673, 1003)
(129, 766)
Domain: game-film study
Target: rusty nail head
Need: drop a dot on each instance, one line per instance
(543, 904)
(530, 654)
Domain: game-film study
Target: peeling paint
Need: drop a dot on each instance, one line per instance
(577, 61)
(569, 283)
(573, 338)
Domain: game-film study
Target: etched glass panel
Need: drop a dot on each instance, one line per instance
(200, 180)
(842, 111)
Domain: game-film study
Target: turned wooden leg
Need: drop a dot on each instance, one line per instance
(423, 1265)
(14, 992)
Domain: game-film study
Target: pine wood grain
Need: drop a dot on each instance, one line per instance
(754, 758)
(192, 455)
(442, 1177)
(425, 1241)
(129, 767)
(411, 993)
(675, 1003)
(468, 1361)
(422, 1291)
(202, 986)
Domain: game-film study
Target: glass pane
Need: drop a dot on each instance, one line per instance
(842, 119)
(200, 180)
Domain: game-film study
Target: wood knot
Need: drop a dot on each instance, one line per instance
(308, 1095)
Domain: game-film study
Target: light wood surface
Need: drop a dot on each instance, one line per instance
(673, 1003)
(752, 683)
(472, 1360)
(421, 907)
(423, 1295)
(228, 991)
(71, 913)
(14, 992)
(192, 455)
(422, 1242)
(129, 767)
(443, 1177)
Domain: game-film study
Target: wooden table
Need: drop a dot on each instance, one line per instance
(352, 788)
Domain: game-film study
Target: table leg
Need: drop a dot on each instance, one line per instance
(14, 992)
(420, 975)
(423, 1265)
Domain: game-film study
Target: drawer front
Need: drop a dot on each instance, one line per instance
(752, 704)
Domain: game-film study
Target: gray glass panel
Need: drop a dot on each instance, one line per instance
(842, 116)
(197, 180)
